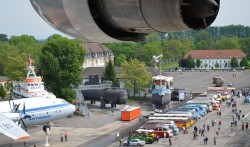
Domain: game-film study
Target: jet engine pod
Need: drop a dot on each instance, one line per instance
(125, 20)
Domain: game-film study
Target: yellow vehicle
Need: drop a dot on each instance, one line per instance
(169, 114)
(179, 121)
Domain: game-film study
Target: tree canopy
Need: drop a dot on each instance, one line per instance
(109, 73)
(61, 63)
(135, 75)
(234, 62)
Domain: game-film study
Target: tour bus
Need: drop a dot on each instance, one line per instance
(208, 104)
(179, 121)
(199, 107)
(206, 96)
(195, 115)
(215, 104)
(159, 129)
(176, 115)
(171, 125)
(223, 92)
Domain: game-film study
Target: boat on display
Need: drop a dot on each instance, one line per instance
(33, 86)
(161, 90)
(161, 87)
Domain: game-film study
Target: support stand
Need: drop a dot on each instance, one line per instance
(47, 140)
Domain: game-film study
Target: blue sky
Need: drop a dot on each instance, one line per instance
(18, 17)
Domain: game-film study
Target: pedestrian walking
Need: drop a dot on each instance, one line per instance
(34, 145)
(242, 126)
(235, 123)
(200, 129)
(208, 128)
(233, 118)
(202, 132)
(66, 137)
(214, 140)
(217, 112)
(219, 128)
(195, 128)
(204, 126)
(194, 134)
(219, 122)
(212, 122)
(220, 113)
(170, 141)
(61, 137)
(206, 139)
(240, 111)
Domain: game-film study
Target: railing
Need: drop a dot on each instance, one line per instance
(100, 86)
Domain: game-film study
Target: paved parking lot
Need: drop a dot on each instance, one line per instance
(228, 136)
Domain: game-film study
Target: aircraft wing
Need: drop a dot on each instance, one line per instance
(11, 129)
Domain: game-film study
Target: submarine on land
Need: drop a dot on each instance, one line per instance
(116, 96)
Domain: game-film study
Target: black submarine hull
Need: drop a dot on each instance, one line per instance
(108, 95)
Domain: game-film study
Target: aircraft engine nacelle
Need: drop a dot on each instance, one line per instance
(125, 20)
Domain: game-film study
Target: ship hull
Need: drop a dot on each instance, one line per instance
(161, 100)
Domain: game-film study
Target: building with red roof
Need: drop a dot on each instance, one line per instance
(209, 58)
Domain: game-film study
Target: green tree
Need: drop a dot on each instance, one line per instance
(120, 59)
(3, 92)
(61, 63)
(234, 62)
(135, 75)
(244, 62)
(227, 43)
(109, 73)
(3, 37)
(217, 65)
(190, 61)
(198, 63)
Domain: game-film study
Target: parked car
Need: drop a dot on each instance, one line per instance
(134, 142)
(230, 84)
(179, 70)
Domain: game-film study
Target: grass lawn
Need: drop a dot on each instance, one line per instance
(136, 99)
(169, 65)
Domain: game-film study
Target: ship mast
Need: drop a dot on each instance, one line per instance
(158, 59)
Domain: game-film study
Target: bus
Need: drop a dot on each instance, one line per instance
(215, 104)
(158, 129)
(179, 121)
(171, 125)
(176, 115)
(208, 104)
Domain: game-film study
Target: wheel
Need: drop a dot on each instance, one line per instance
(125, 144)
(138, 144)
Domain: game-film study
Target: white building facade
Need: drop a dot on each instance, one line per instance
(97, 55)
(215, 59)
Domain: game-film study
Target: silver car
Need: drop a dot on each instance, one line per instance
(134, 142)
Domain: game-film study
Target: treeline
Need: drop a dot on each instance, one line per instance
(175, 45)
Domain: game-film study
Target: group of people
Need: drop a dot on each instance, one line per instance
(65, 137)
